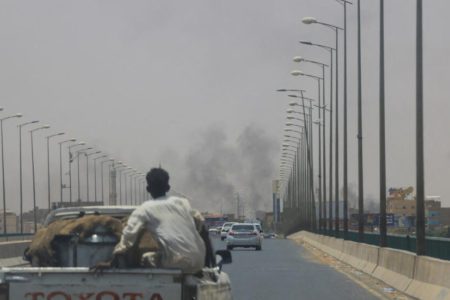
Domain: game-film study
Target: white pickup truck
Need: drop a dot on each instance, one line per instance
(75, 281)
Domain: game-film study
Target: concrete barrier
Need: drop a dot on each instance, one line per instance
(421, 277)
(360, 256)
(395, 267)
(431, 279)
(13, 249)
(335, 246)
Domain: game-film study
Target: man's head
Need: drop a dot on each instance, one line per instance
(157, 182)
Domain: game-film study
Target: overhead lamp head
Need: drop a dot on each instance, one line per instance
(297, 59)
(296, 73)
(73, 140)
(281, 90)
(19, 115)
(305, 43)
(309, 20)
(46, 126)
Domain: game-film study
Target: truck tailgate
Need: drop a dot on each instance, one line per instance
(81, 284)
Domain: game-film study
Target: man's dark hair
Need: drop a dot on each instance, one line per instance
(157, 182)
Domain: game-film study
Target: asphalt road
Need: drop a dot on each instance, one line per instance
(284, 270)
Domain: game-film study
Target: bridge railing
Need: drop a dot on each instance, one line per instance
(435, 247)
(15, 237)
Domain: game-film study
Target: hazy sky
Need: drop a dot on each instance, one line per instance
(182, 83)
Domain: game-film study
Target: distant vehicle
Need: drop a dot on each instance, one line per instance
(213, 230)
(244, 235)
(270, 235)
(215, 220)
(224, 229)
(258, 226)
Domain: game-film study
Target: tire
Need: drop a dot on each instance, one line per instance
(258, 248)
(222, 238)
(230, 248)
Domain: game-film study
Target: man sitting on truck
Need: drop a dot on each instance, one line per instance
(171, 221)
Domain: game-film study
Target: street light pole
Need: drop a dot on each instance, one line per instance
(78, 171)
(60, 168)
(71, 158)
(119, 172)
(48, 166)
(345, 159)
(300, 59)
(102, 170)
(420, 181)
(360, 137)
(95, 175)
(3, 168)
(21, 171)
(383, 228)
(33, 173)
(87, 172)
(330, 203)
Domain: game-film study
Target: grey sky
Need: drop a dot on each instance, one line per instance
(146, 81)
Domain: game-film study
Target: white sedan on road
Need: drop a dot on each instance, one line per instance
(224, 231)
(244, 235)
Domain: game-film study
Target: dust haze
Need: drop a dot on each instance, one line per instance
(217, 167)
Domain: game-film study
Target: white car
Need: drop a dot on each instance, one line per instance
(244, 235)
(225, 227)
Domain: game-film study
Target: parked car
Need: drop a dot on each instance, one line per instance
(224, 230)
(244, 235)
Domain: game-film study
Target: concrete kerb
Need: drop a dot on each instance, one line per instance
(395, 267)
(431, 279)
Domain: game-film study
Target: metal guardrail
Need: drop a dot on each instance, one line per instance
(15, 237)
(435, 246)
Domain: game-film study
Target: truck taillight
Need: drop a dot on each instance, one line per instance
(4, 291)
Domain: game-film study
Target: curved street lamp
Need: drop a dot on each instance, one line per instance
(21, 169)
(60, 167)
(87, 171)
(48, 165)
(310, 20)
(71, 158)
(78, 171)
(95, 174)
(3, 166)
(33, 173)
(102, 177)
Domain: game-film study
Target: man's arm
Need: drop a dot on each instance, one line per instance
(130, 233)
